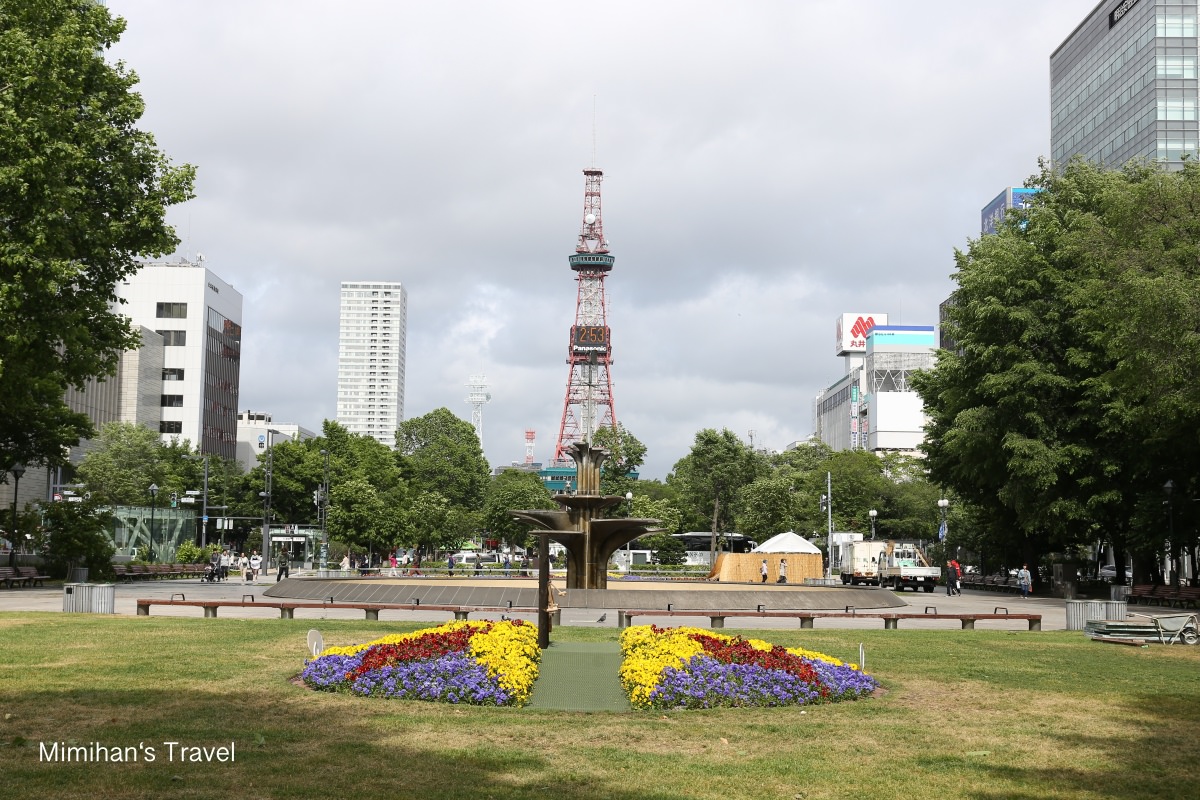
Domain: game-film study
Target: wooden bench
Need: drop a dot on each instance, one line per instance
(287, 608)
(1168, 596)
(891, 619)
(9, 576)
(31, 574)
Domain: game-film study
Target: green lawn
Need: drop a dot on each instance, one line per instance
(980, 714)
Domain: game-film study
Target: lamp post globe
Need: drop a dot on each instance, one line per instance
(873, 514)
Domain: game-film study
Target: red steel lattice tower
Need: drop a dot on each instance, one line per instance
(589, 401)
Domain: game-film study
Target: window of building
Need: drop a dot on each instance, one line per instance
(172, 401)
(1176, 67)
(169, 426)
(171, 310)
(1176, 25)
(172, 374)
(173, 338)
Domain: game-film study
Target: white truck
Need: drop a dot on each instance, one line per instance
(859, 562)
(903, 565)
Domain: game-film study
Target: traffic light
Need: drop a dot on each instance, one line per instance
(174, 499)
(824, 503)
(317, 498)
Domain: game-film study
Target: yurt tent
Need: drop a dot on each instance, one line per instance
(804, 560)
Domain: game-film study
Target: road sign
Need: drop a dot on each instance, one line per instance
(204, 518)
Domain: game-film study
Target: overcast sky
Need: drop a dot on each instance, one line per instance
(767, 166)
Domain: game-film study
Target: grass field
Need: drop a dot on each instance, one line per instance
(975, 714)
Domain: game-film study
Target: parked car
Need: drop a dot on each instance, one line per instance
(1108, 572)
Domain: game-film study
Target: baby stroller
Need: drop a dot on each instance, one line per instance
(211, 574)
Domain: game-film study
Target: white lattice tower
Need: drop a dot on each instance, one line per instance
(477, 395)
(530, 438)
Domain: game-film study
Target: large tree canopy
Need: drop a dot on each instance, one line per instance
(441, 452)
(1068, 402)
(82, 193)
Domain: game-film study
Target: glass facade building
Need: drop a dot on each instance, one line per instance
(1123, 85)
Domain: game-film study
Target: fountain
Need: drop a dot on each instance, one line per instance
(589, 539)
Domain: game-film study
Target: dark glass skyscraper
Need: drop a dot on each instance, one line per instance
(1123, 85)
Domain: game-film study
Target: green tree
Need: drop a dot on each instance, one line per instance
(356, 513)
(627, 455)
(767, 507)
(712, 474)
(73, 535)
(1047, 417)
(440, 452)
(670, 520)
(513, 489)
(82, 193)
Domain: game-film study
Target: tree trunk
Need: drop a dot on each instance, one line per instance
(712, 548)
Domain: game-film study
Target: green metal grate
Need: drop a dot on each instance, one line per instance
(580, 676)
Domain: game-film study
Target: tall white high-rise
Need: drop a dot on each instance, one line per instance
(199, 319)
(371, 342)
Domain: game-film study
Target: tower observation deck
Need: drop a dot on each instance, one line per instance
(588, 403)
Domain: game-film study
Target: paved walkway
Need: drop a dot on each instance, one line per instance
(50, 598)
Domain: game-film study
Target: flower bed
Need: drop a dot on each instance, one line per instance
(696, 668)
(480, 663)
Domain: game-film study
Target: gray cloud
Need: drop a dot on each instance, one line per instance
(768, 166)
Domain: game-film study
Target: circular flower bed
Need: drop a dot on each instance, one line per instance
(696, 668)
(480, 663)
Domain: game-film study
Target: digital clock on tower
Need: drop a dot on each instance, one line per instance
(586, 338)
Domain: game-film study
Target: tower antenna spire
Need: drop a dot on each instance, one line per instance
(593, 131)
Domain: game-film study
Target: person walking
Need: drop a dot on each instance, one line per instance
(244, 566)
(255, 564)
(214, 559)
(762, 570)
(281, 565)
(1024, 580)
(950, 579)
(226, 563)
(957, 577)
(507, 567)
(450, 566)
(782, 571)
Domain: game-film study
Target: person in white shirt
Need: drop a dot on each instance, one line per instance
(244, 565)
(255, 565)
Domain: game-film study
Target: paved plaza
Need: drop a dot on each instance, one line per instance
(1053, 610)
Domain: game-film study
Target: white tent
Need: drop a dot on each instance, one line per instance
(787, 542)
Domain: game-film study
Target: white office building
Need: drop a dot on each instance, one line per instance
(873, 406)
(371, 347)
(257, 432)
(199, 317)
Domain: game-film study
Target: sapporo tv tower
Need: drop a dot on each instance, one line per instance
(589, 400)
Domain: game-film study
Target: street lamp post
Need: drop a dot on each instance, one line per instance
(266, 533)
(873, 514)
(629, 544)
(204, 501)
(153, 494)
(943, 504)
(323, 512)
(1168, 487)
(17, 471)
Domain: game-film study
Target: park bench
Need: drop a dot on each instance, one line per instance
(31, 574)
(9, 576)
(287, 608)
(1168, 596)
(891, 619)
